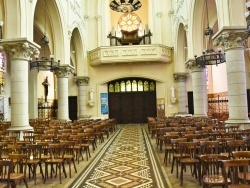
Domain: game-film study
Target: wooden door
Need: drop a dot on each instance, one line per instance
(190, 102)
(73, 108)
(133, 107)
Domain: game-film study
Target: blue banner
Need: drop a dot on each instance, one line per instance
(104, 103)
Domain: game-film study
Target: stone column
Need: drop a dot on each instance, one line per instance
(82, 82)
(33, 99)
(233, 39)
(62, 90)
(199, 88)
(181, 78)
(19, 51)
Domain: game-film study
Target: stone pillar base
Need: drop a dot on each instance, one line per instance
(20, 128)
(243, 124)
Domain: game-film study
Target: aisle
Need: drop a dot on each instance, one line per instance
(127, 160)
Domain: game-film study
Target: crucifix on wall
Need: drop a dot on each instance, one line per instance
(46, 88)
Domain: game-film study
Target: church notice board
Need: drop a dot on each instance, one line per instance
(160, 107)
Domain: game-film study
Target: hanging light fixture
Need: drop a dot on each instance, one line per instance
(125, 5)
(209, 56)
(44, 63)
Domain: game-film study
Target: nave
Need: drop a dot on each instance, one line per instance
(113, 162)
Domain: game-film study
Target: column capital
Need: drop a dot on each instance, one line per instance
(231, 37)
(64, 71)
(191, 64)
(180, 76)
(20, 48)
(82, 80)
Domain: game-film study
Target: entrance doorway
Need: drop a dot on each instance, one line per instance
(132, 105)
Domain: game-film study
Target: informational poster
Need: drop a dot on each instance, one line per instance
(104, 103)
(160, 107)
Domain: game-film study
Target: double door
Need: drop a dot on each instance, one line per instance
(132, 107)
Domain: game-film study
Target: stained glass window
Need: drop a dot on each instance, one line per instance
(128, 85)
(132, 85)
(123, 88)
(111, 88)
(140, 85)
(117, 87)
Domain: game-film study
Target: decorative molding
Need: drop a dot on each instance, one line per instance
(21, 49)
(98, 17)
(190, 64)
(130, 52)
(231, 37)
(148, 51)
(110, 53)
(64, 71)
(166, 52)
(180, 76)
(95, 55)
(86, 17)
(159, 14)
(81, 80)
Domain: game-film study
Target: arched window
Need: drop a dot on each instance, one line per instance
(132, 85)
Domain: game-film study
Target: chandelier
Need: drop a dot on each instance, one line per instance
(209, 56)
(125, 5)
(44, 63)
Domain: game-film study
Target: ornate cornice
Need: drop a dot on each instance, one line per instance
(180, 76)
(64, 71)
(231, 37)
(19, 48)
(81, 80)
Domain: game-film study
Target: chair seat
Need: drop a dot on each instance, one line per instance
(54, 160)
(14, 176)
(213, 179)
(33, 161)
(189, 160)
(247, 176)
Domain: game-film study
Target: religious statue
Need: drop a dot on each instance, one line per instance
(46, 88)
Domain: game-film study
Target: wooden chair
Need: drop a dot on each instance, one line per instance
(236, 171)
(69, 156)
(176, 153)
(19, 169)
(235, 145)
(57, 152)
(6, 167)
(77, 147)
(188, 158)
(168, 146)
(211, 174)
(34, 152)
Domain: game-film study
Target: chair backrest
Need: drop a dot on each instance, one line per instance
(19, 162)
(209, 147)
(188, 149)
(235, 145)
(235, 169)
(6, 167)
(241, 154)
(211, 164)
(56, 150)
(14, 148)
(34, 151)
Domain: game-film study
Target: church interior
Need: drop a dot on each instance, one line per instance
(124, 93)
